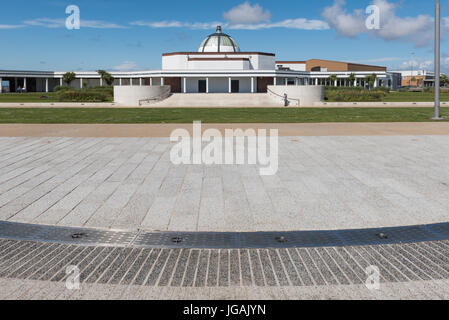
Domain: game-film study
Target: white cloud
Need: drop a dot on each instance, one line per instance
(346, 24)
(60, 23)
(416, 64)
(242, 17)
(417, 30)
(177, 24)
(300, 24)
(10, 26)
(96, 24)
(126, 66)
(385, 59)
(245, 13)
(46, 23)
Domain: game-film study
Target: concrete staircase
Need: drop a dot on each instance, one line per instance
(217, 100)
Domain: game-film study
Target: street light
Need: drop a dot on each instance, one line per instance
(437, 61)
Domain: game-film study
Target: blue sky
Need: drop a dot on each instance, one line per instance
(126, 35)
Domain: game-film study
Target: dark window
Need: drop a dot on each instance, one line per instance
(202, 86)
(235, 86)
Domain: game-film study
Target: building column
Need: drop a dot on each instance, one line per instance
(151, 81)
(335, 83)
(140, 81)
(60, 82)
(375, 83)
(101, 81)
(162, 81)
(46, 84)
(285, 81)
(81, 83)
(185, 84)
(252, 84)
(316, 81)
(230, 85)
(25, 84)
(120, 81)
(1, 85)
(275, 82)
(207, 85)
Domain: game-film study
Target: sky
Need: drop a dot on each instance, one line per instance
(132, 35)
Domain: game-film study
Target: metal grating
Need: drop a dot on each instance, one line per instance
(225, 240)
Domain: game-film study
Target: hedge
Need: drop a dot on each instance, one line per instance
(80, 96)
(354, 95)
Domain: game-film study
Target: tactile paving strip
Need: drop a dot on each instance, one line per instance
(225, 240)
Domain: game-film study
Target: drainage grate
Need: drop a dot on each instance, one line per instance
(225, 240)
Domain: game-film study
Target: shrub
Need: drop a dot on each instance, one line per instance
(82, 96)
(354, 95)
(62, 88)
(107, 91)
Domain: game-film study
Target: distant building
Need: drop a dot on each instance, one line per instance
(218, 66)
(417, 78)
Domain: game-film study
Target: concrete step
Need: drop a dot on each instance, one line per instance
(229, 100)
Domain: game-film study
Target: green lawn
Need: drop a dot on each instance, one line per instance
(28, 97)
(222, 115)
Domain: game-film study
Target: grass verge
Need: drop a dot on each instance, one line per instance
(220, 115)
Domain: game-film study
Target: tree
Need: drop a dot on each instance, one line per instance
(444, 80)
(352, 78)
(413, 80)
(69, 77)
(106, 77)
(333, 78)
(371, 79)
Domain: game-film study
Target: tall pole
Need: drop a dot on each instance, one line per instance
(437, 61)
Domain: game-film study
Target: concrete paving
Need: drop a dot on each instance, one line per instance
(323, 183)
(13, 289)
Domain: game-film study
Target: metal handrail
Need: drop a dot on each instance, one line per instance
(162, 96)
(274, 93)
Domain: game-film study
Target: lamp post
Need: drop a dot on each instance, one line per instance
(437, 115)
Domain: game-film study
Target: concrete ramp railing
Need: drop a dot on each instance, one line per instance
(134, 96)
(164, 95)
(302, 95)
(281, 98)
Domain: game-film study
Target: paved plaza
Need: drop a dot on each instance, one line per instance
(323, 183)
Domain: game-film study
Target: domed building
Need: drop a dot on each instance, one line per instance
(218, 66)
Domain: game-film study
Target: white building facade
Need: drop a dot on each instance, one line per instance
(218, 66)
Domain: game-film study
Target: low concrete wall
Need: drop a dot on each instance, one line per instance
(299, 96)
(131, 95)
